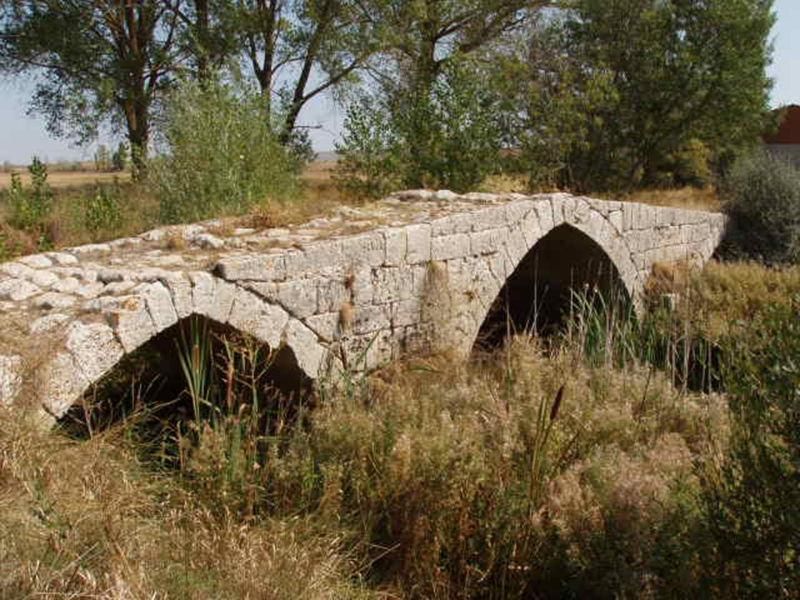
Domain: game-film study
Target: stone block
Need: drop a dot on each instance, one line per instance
(419, 243)
(259, 318)
(299, 297)
(259, 267)
(94, 347)
(450, 246)
(129, 318)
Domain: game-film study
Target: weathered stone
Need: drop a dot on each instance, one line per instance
(48, 322)
(52, 300)
(307, 350)
(36, 261)
(415, 272)
(94, 347)
(419, 243)
(257, 317)
(270, 267)
(159, 304)
(10, 378)
(62, 258)
(131, 321)
(450, 246)
(17, 290)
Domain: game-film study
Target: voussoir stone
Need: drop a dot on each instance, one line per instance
(359, 286)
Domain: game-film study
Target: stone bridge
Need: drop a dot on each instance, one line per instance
(413, 273)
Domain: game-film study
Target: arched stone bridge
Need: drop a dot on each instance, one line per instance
(414, 272)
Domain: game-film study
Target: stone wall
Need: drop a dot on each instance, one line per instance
(414, 273)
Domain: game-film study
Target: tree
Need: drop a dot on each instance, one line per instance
(96, 61)
(434, 118)
(298, 49)
(448, 138)
(647, 84)
(424, 36)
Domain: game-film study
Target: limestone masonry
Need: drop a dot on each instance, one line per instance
(416, 271)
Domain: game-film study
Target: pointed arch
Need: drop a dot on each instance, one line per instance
(574, 255)
(95, 344)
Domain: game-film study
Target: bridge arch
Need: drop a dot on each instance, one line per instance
(581, 253)
(94, 346)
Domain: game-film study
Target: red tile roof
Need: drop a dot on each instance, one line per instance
(789, 130)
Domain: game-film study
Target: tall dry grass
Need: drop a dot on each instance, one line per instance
(559, 469)
(87, 520)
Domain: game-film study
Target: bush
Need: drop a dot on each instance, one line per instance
(223, 157)
(30, 208)
(120, 157)
(101, 211)
(450, 138)
(762, 196)
(754, 503)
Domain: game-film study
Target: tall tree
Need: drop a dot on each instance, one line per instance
(425, 35)
(658, 83)
(298, 49)
(95, 61)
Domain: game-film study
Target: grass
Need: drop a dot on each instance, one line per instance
(66, 179)
(318, 196)
(538, 471)
(87, 520)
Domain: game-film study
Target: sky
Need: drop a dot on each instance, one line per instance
(22, 136)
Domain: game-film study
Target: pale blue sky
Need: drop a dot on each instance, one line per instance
(22, 136)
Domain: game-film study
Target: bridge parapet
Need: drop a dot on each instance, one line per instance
(415, 272)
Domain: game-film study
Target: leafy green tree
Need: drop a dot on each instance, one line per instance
(119, 159)
(642, 84)
(31, 207)
(95, 61)
(433, 118)
(683, 90)
(299, 49)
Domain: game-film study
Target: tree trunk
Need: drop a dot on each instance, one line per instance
(136, 116)
(202, 28)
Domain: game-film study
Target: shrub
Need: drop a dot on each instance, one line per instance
(101, 211)
(450, 138)
(30, 208)
(120, 157)
(762, 196)
(753, 503)
(222, 158)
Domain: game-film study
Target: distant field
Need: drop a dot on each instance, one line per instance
(64, 179)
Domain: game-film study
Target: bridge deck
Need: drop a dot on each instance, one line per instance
(414, 270)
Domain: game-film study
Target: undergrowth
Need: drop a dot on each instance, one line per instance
(572, 468)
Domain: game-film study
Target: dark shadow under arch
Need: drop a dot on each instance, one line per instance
(538, 295)
(151, 378)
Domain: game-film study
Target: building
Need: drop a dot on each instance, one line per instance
(786, 141)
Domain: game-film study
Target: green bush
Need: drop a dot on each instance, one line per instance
(30, 208)
(101, 210)
(120, 157)
(448, 138)
(754, 503)
(762, 196)
(222, 157)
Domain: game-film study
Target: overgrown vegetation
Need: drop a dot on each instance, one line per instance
(549, 469)
(222, 159)
(762, 196)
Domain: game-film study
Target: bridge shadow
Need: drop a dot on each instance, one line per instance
(195, 371)
(563, 267)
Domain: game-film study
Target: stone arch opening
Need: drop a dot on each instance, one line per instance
(152, 382)
(539, 295)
